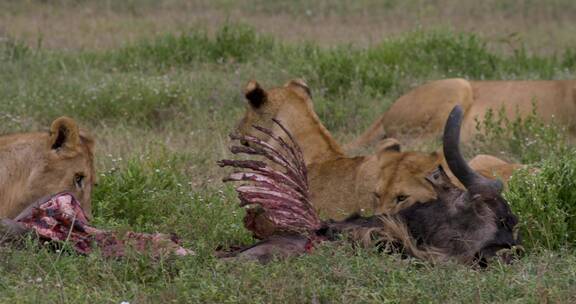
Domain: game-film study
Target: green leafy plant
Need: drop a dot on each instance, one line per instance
(527, 139)
(544, 200)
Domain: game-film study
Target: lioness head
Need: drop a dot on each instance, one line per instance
(280, 103)
(41, 164)
(292, 106)
(402, 180)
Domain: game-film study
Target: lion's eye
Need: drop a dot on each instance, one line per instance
(376, 195)
(79, 180)
(401, 198)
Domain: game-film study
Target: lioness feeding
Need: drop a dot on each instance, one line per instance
(471, 226)
(421, 112)
(38, 164)
(340, 185)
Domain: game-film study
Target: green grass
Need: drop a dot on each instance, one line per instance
(146, 82)
(161, 109)
(149, 196)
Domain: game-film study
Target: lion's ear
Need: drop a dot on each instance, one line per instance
(64, 134)
(300, 86)
(389, 144)
(88, 140)
(387, 147)
(255, 94)
(437, 156)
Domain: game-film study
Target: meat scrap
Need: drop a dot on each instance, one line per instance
(61, 219)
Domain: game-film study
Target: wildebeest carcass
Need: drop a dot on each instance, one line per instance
(60, 218)
(470, 226)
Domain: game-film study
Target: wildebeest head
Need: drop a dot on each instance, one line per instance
(469, 225)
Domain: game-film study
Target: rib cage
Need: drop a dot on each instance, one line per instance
(282, 193)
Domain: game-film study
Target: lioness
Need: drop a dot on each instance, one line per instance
(341, 185)
(421, 112)
(39, 164)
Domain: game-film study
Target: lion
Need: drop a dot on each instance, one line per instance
(38, 164)
(420, 113)
(341, 185)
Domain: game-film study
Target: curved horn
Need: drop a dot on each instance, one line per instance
(456, 162)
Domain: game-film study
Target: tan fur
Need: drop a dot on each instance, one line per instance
(491, 166)
(340, 185)
(34, 165)
(421, 112)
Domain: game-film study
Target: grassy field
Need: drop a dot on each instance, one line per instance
(159, 85)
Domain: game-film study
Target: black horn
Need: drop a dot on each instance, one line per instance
(457, 164)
